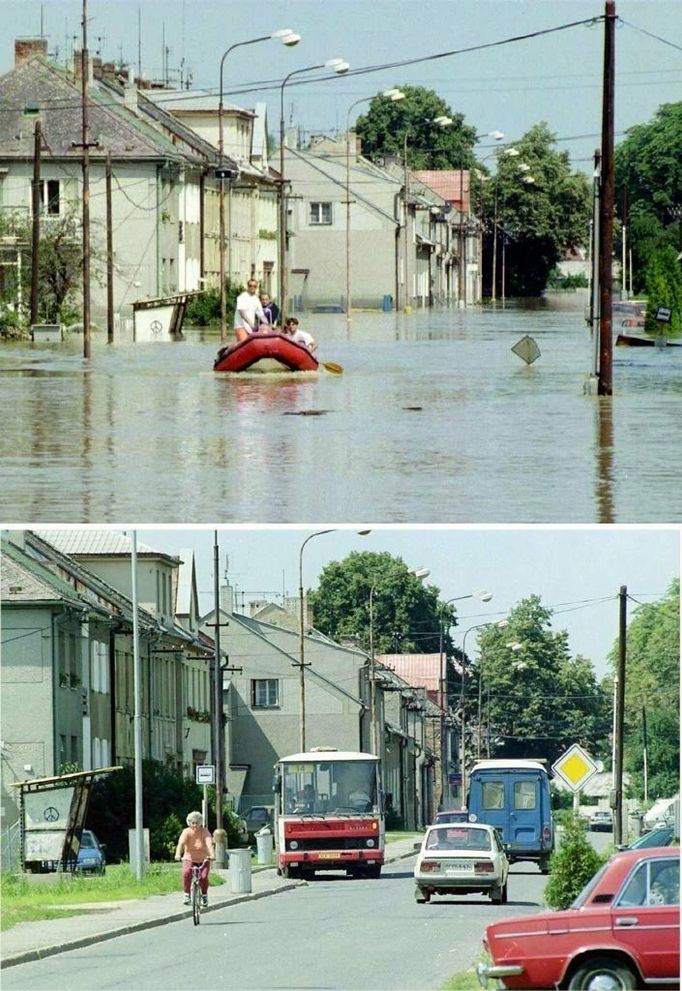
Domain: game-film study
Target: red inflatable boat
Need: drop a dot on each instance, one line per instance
(271, 352)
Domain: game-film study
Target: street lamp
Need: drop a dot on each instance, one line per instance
(288, 38)
(391, 94)
(301, 664)
(484, 597)
(442, 121)
(419, 573)
(340, 67)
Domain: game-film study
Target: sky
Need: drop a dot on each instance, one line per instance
(577, 572)
(510, 87)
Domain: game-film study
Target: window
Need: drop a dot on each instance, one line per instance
(264, 693)
(493, 795)
(49, 197)
(320, 213)
(653, 883)
(524, 794)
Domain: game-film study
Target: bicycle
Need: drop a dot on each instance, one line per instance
(195, 891)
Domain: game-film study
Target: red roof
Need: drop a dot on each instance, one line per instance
(418, 670)
(453, 186)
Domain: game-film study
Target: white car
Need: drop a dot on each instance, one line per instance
(461, 859)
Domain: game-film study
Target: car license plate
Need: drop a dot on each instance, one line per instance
(463, 868)
(328, 856)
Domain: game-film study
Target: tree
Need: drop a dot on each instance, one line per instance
(663, 281)
(406, 613)
(653, 683)
(60, 262)
(539, 220)
(648, 165)
(386, 124)
(572, 866)
(537, 699)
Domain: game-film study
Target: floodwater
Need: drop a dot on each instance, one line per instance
(434, 420)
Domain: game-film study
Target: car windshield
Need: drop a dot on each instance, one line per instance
(87, 840)
(458, 838)
(657, 837)
(589, 887)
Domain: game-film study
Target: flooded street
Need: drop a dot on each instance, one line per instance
(434, 420)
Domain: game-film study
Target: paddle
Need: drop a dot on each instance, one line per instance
(332, 367)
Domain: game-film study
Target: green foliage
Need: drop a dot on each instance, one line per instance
(205, 308)
(560, 280)
(166, 794)
(572, 866)
(406, 613)
(60, 262)
(539, 220)
(394, 821)
(386, 124)
(537, 698)
(664, 288)
(653, 684)
(13, 326)
(648, 183)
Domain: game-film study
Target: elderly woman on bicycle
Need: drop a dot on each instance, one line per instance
(195, 846)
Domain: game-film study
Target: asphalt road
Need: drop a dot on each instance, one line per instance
(333, 933)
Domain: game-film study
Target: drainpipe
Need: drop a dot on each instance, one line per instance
(55, 684)
(158, 230)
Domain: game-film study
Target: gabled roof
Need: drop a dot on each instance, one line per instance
(107, 543)
(418, 670)
(37, 83)
(23, 579)
(451, 185)
(193, 101)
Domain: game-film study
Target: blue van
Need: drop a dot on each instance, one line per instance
(513, 796)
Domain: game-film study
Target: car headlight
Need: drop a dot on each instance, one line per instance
(370, 843)
(293, 844)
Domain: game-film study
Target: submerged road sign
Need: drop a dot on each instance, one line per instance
(527, 349)
(575, 767)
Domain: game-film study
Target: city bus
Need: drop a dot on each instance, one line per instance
(328, 813)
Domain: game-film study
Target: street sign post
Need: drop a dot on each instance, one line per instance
(205, 775)
(575, 767)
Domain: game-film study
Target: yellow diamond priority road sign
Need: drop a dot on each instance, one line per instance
(575, 767)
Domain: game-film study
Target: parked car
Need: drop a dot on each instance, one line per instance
(451, 815)
(461, 859)
(91, 857)
(655, 837)
(621, 932)
(601, 822)
(255, 818)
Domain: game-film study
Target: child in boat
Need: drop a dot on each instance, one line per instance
(292, 330)
(270, 309)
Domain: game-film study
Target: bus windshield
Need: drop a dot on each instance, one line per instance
(318, 787)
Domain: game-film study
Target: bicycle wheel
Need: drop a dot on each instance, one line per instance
(196, 903)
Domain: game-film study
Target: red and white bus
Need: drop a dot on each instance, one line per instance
(329, 813)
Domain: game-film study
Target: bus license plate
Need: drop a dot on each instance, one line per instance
(328, 856)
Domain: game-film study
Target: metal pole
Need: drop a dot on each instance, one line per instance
(443, 746)
(348, 301)
(219, 835)
(620, 714)
(35, 241)
(282, 217)
(110, 253)
(301, 646)
(605, 383)
(372, 682)
(86, 186)
(406, 300)
(137, 719)
(645, 756)
(494, 281)
(221, 204)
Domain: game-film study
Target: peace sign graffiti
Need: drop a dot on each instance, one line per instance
(51, 814)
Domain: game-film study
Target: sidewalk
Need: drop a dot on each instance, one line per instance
(106, 920)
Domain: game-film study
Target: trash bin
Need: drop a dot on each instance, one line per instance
(634, 825)
(387, 304)
(264, 845)
(240, 871)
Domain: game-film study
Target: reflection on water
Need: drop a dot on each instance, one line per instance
(433, 420)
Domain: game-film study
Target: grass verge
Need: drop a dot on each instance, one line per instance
(23, 901)
(466, 980)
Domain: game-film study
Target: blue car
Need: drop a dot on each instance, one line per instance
(655, 837)
(91, 857)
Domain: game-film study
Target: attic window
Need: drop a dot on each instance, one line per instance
(31, 111)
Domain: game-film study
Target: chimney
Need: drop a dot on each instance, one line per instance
(227, 599)
(97, 67)
(78, 65)
(292, 605)
(27, 48)
(109, 72)
(130, 96)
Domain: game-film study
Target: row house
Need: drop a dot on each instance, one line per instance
(391, 236)
(264, 708)
(165, 196)
(68, 666)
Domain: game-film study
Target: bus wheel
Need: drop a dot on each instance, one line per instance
(374, 870)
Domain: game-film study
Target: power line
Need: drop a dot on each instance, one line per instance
(664, 41)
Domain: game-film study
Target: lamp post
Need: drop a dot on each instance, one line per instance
(394, 95)
(301, 662)
(340, 66)
(419, 573)
(288, 38)
(442, 121)
(484, 597)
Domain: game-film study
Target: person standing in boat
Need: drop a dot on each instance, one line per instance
(249, 313)
(292, 330)
(270, 309)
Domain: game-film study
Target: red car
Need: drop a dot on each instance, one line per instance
(622, 932)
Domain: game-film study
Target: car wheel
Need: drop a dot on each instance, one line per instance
(544, 866)
(603, 974)
(504, 893)
(497, 895)
(422, 896)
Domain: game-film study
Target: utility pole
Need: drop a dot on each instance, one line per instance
(35, 205)
(217, 734)
(645, 756)
(86, 186)
(605, 381)
(110, 255)
(619, 720)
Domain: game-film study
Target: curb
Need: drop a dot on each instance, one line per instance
(76, 944)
